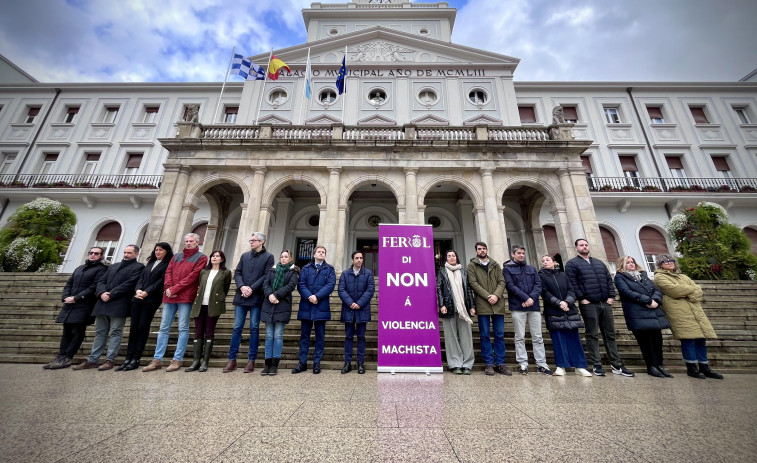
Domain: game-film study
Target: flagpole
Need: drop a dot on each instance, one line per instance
(344, 92)
(305, 94)
(262, 92)
(226, 77)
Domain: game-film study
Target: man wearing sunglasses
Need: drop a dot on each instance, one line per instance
(78, 301)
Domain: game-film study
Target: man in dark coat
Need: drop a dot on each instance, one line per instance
(317, 281)
(595, 292)
(78, 301)
(249, 277)
(356, 288)
(523, 290)
(114, 293)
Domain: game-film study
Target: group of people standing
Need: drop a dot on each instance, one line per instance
(191, 284)
(671, 301)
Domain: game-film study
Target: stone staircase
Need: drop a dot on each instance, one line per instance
(29, 304)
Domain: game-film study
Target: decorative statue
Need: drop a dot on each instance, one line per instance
(193, 113)
(558, 116)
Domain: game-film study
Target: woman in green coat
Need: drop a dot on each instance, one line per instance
(209, 304)
(682, 304)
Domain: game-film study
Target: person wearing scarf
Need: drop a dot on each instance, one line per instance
(280, 281)
(456, 306)
(642, 309)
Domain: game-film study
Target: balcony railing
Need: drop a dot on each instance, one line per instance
(408, 132)
(672, 184)
(149, 182)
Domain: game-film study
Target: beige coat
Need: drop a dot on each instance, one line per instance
(486, 281)
(682, 304)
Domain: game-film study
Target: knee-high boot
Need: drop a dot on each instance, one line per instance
(206, 355)
(196, 357)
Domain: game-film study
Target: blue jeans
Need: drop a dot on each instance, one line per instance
(499, 339)
(240, 315)
(169, 311)
(274, 339)
(107, 326)
(349, 335)
(320, 340)
(694, 350)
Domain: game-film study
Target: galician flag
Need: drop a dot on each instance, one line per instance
(308, 78)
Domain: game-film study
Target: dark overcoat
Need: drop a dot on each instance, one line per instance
(356, 289)
(120, 281)
(320, 282)
(82, 285)
(281, 312)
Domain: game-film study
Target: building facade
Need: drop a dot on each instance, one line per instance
(427, 132)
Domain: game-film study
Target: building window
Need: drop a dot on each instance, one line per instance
(721, 165)
(428, 97)
(201, 230)
(377, 96)
(611, 247)
(675, 164)
(612, 115)
(478, 96)
(133, 162)
(277, 97)
(571, 113)
(108, 238)
(630, 171)
(653, 244)
(90, 163)
(48, 162)
(7, 163)
(655, 114)
(742, 114)
(230, 114)
(333, 31)
(700, 117)
(71, 113)
(31, 114)
(327, 96)
(434, 221)
(527, 114)
(586, 162)
(151, 114)
(109, 116)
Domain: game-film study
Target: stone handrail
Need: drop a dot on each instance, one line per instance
(374, 133)
(518, 133)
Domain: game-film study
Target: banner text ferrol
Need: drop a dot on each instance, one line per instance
(408, 331)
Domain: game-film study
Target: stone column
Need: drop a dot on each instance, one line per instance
(540, 245)
(495, 225)
(562, 228)
(321, 224)
(587, 216)
(331, 225)
(242, 244)
(571, 207)
(249, 218)
(184, 225)
(468, 232)
(411, 195)
(338, 259)
(210, 238)
(173, 213)
(157, 222)
(422, 214)
(481, 232)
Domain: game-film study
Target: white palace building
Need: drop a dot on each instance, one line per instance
(427, 132)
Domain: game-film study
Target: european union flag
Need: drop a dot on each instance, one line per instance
(342, 74)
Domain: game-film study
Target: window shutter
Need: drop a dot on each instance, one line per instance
(721, 164)
(655, 112)
(151, 109)
(33, 112)
(586, 162)
(51, 157)
(134, 161)
(232, 109)
(674, 162)
(611, 247)
(550, 236)
(652, 241)
(73, 110)
(628, 163)
(93, 156)
(570, 112)
(111, 231)
(699, 116)
(527, 114)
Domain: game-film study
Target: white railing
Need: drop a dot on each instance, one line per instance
(361, 133)
(445, 134)
(302, 133)
(518, 134)
(235, 132)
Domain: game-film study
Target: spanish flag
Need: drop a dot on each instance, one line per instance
(274, 66)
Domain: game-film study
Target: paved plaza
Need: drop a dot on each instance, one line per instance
(83, 416)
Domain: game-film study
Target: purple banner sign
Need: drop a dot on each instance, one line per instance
(408, 331)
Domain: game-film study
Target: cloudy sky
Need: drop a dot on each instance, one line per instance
(563, 40)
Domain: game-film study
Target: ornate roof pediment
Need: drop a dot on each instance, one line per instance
(322, 119)
(377, 119)
(383, 45)
(430, 119)
(274, 119)
(482, 119)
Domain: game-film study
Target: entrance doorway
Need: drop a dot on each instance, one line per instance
(440, 252)
(369, 247)
(304, 252)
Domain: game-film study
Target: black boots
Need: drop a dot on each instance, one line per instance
(274, 367)
(206, 355)
(693, 371)
(300, 368)
(267, 370)
(126, 363)
(653, 371)
(196, 357)
(664, 372)
(360, 368)
(704, 368)
(347, 367)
